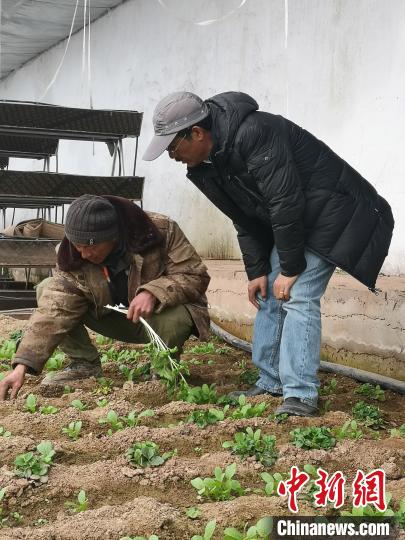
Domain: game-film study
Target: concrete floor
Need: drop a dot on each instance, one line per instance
(359, 328)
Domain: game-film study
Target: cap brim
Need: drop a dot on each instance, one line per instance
(157, 146)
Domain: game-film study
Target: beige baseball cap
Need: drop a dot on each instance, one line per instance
(172, 114)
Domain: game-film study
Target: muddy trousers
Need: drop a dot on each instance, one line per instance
(174, 325)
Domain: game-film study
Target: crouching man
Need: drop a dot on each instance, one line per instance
(113, 252)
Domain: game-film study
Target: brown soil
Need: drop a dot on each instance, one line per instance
(124, 500)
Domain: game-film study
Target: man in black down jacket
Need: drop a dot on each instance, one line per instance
(299, 211)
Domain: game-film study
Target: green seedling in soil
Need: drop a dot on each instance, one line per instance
(396, 432)
(349, 430)
(35, 466)
(17, 517)
(3, 519)
(328, 389)
(247, 410)
(146, 454)
(122, 356)
(67, 389)
(279, 418)
(48, 409)
(151, 537)
(73, 430)
(260, 531)
(221, 487)
(102, 402)
(249, 376)
(371, 391)
(40, 522)
(16, 335)
(134, 373)
(200, 395)
(271, 482)
(103, 340)
(55, 362)
(169, 370)
(371, 511)
(208, 531)
(113, 420)
(7, 348)
(193, 512)
(132, 420)
(369, 415)
(81, 504)
(104, 386)
(31, 404)
(208, 347)
(4, 432)
(198, 450)
(194, 362)
(313, 438)
(204, 418)
(79, 405)
(399, 515)
(252, 443)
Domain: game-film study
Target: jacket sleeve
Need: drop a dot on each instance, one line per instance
(60, 307)
(256, 256)
(185, 278)
(269, 160)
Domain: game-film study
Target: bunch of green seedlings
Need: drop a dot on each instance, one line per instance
(132, 373)
(73, 430)
(260, 531)
(4, 433)
(369, 415)
(78, 404)
(147, 454)
(349, 430)
(117, 423)
(206, 417)
(371, 391)
(395, 432)
(103, 340)
(81, 503)
(7, 348)
(104, 386)
(371, 511)
(310, 438)
(199, 395)
(208, 531)
(329, 388)
(247, 410)
(271, 482)
(252, 443)
(221, 487)
(120, 356)
(169, 370)
(55, 362)
(31, 406)
(35, 466)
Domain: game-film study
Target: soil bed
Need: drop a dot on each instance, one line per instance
(125, 500)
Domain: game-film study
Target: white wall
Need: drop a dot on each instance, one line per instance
(336, 67)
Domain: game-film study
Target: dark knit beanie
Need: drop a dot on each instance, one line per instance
(91, 220)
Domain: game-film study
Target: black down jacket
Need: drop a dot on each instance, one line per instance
(280, 185)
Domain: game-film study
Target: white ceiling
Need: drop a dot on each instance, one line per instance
(30, 27)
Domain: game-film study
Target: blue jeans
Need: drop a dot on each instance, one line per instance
(287, 335)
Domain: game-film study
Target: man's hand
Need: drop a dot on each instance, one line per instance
(257, 285)
(282, 286)
(141, 306)
(13, 382)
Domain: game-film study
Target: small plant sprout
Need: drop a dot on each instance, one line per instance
(35, 466)
(193, 512)
(132, 420)
(55, 362)
(369, 415)
(73, 430)
(329, 388)
(48, 409)
(7, 348)
(260, 531)
(208, 531)
(371, 511)
(146, 454)
(103, 340)
(313, 438)
(120, 356)
(395, 432)
(220, 488)
(104, 386)
(200, 395)
(4, 433)
(31, 404)
(371, 391)
(252, 443)
(271, 482)
(349, 430)
(206, 417)
(247, 410)
(81, 503)
(102, 402)
(279, 418)
(79, 405)
(112, 419)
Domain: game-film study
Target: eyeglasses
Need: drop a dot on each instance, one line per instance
(172, 151)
